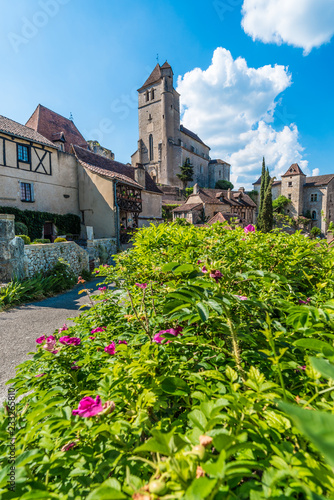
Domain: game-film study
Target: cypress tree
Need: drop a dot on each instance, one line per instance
(267, 210)
(262, 188)
(187, 172)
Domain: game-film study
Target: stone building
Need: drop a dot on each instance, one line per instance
(204, 204)
(309, 196)
(164, 144)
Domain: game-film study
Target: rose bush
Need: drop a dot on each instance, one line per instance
(206, 372)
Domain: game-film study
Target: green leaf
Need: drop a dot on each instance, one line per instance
(200, 489)
(197, 417)
(169, 267)
(322, 366)
(175, 386)
(203, 311)
(317, 426)
(314, 344)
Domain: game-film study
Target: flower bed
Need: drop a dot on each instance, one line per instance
(207, 375)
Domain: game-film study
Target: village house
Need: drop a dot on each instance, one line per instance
(204, 204)
(164, 143)
(311, 197)
(48, 166)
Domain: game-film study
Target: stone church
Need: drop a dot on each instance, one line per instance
(164, 144)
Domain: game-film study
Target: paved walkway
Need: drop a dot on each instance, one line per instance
(20, 327)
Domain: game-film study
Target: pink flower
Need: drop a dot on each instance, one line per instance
(92, 338)
(88, 407)
(204, 269)
(249, 229)
(68, 446)
(40, 375)
(158, 339)
(241, 297)
(96, 271)
(111, 348)
(173, 331)
(70, 340)
(40, 340)
(199, 262)
(75, 366)
(216, 275)
(102, 288)
(98, 330)
(301, 368)
(105, 265)
(305, 301)
(62, 329)
(141, 285)
(50, 344)
(123, 342)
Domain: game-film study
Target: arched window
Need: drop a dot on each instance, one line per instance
(152, 94)
(150, 140)
(314, 215)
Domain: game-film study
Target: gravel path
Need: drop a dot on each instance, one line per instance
(20, 327)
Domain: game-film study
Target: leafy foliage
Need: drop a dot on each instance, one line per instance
(21, 228)
(34, 221)
(25, 238)
(60, 240)
(280, 203)
(187, 172)
(167, 214)
(315, 231)
(223, 184)
(41, 241)
(222, 390)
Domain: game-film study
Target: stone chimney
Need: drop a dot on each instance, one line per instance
(195, 190)
(140, 175)
(229, 193)
(241, 189)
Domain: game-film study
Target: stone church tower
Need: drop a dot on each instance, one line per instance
(164, 144)
(159, 145)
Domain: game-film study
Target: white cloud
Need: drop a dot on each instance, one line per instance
(315, 172)
(232, 108)
(301, 23)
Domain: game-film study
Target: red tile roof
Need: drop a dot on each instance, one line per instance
(112, 169)
(294, 169)
(188, 207)
(154, 77)
(23, 132)
(52, 125)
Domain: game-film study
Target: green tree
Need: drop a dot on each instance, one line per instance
(280, 203)
(187, 173)
(267, 210)
(223, 184)
(189, 191)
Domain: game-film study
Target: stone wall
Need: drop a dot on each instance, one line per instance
(101, 251)
(41, 258)
(11, 250)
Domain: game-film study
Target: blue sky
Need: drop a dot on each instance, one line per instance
(89, 58)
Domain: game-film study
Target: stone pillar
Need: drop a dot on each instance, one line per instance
(11, 250)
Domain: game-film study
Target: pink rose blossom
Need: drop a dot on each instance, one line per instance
(158, 339)
(88, 407)
(96, 271)
(68, 446)
(40, 375)
(75, 366)
(216, 275)
(98, 330)
(141, 285)
(204, 269)
(102, 289)
(40, 340)
(307, 301)
(123, 342)
(241, 297)
(199, 262)
(50, 344)
(111, 348)
(70, 340)
(249, 229)
(62, 329)
(92, 338)
(301, 368)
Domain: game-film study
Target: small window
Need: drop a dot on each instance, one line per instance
(289, 196)
(23, 153)
(192, 149)
(314, 197)
(220, 173)
(289, 184)
(147, 96)
(314, 215)
(152, 94)
(27, 192)
(150, 139)
(201, 169)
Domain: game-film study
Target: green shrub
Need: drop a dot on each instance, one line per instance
(240, 406)
(25, 238)
(43, 241)
(60, 240)
(21, 228)
(315, 232)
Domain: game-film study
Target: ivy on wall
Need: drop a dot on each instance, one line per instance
(68, 223)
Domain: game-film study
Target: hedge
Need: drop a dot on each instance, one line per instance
(68, 223)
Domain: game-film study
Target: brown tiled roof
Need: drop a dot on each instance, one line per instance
(218, 161)
(294, 169)
(166, 65)
(212, 196)
(275, 183)
(112, 169)
(318, 180)
(154, 77)
(52, 125)
(226, 217)
(23, 132)
(192, 135)
(188, 207)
